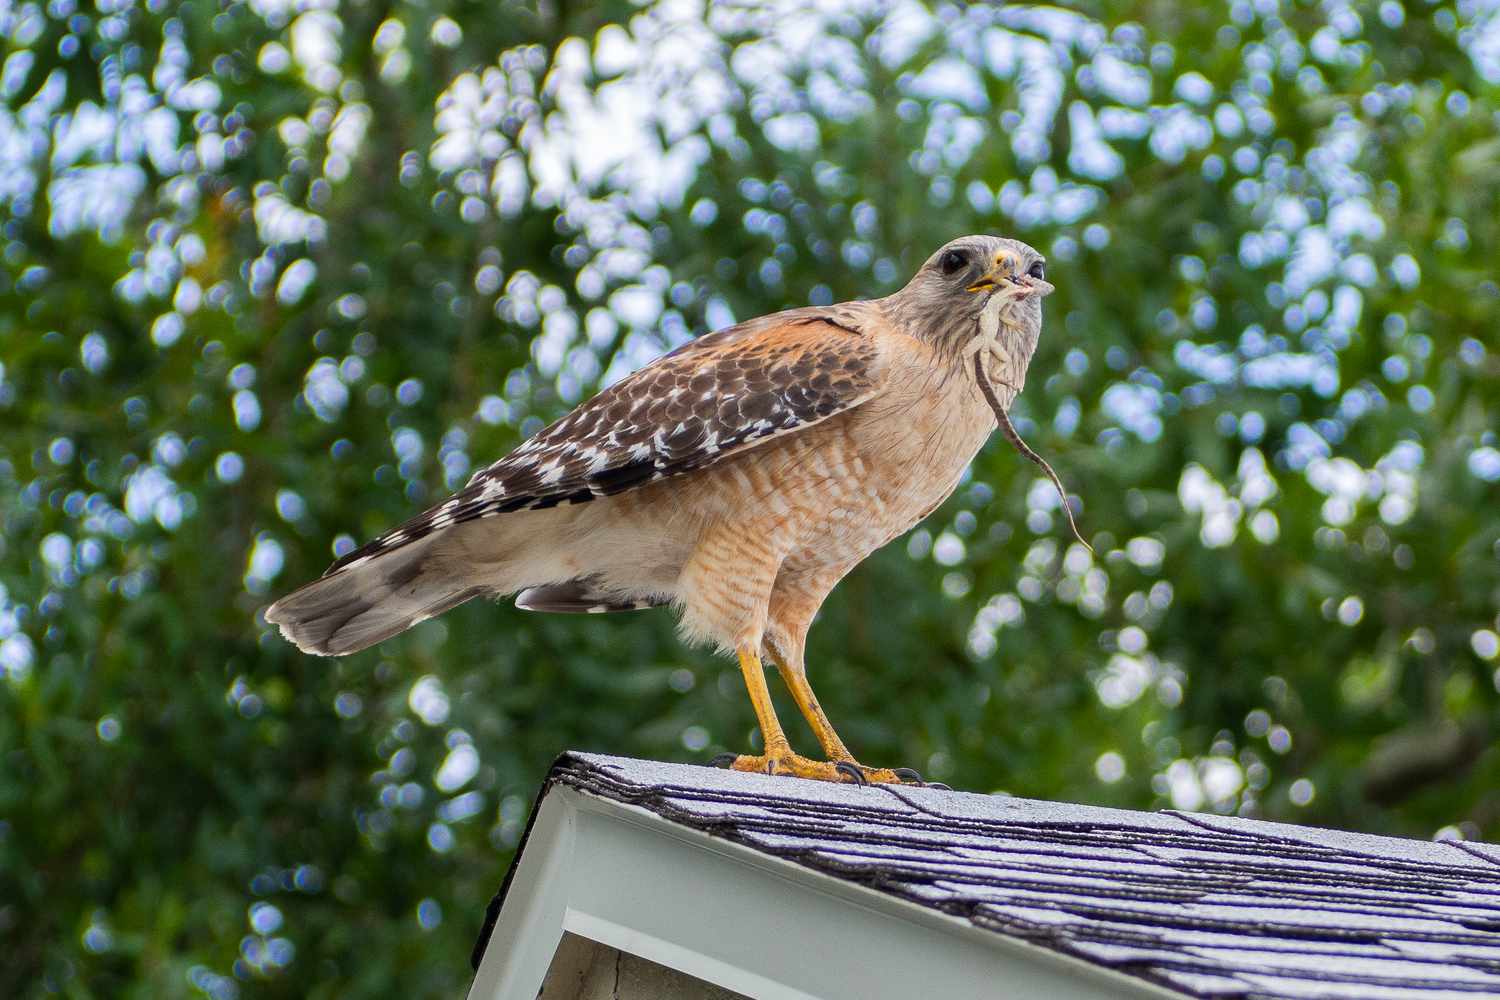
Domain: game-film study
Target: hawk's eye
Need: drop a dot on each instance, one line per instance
(953, 261)
(1038, 270)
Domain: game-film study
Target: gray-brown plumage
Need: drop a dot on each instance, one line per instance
(738, 478)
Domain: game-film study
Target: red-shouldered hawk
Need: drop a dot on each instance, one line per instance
(737, 479)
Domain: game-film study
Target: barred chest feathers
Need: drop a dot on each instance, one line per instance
(916, 441)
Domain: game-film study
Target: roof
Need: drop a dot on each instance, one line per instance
(1202, 905)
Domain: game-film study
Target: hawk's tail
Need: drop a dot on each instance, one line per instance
(369, 601)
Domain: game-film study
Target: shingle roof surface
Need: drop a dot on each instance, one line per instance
(1211, 906)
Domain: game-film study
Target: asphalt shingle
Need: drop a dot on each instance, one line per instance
(1209, 906)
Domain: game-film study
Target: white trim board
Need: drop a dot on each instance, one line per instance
(750, 922)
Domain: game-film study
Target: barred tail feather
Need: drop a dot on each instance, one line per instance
(370, 601)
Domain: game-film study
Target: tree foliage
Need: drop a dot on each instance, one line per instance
(276, 274)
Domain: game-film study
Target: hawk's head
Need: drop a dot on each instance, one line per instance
(974, 278)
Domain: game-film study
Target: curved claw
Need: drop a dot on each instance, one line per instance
(852, 771)
(908, 775)
(723, 760)
(940, 786)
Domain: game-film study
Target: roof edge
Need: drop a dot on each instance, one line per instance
(783, 906)
(497, 901)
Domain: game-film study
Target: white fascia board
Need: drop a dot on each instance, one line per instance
(749, 922)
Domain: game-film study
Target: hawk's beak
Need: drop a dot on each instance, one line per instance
(1005, 274)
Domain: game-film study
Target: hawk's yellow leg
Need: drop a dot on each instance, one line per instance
(779, 758)
(807, 702)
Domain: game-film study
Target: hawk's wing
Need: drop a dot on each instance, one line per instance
(710, 398)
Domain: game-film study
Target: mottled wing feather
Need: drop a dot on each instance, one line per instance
(712, 397)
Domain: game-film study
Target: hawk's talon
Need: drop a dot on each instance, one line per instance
(851, 769)
(725, 760)
(939, 786)
(786, 763)
(908, 775)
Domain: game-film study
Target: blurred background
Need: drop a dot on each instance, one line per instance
(276, 274)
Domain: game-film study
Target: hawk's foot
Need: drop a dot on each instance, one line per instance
(786, 762)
